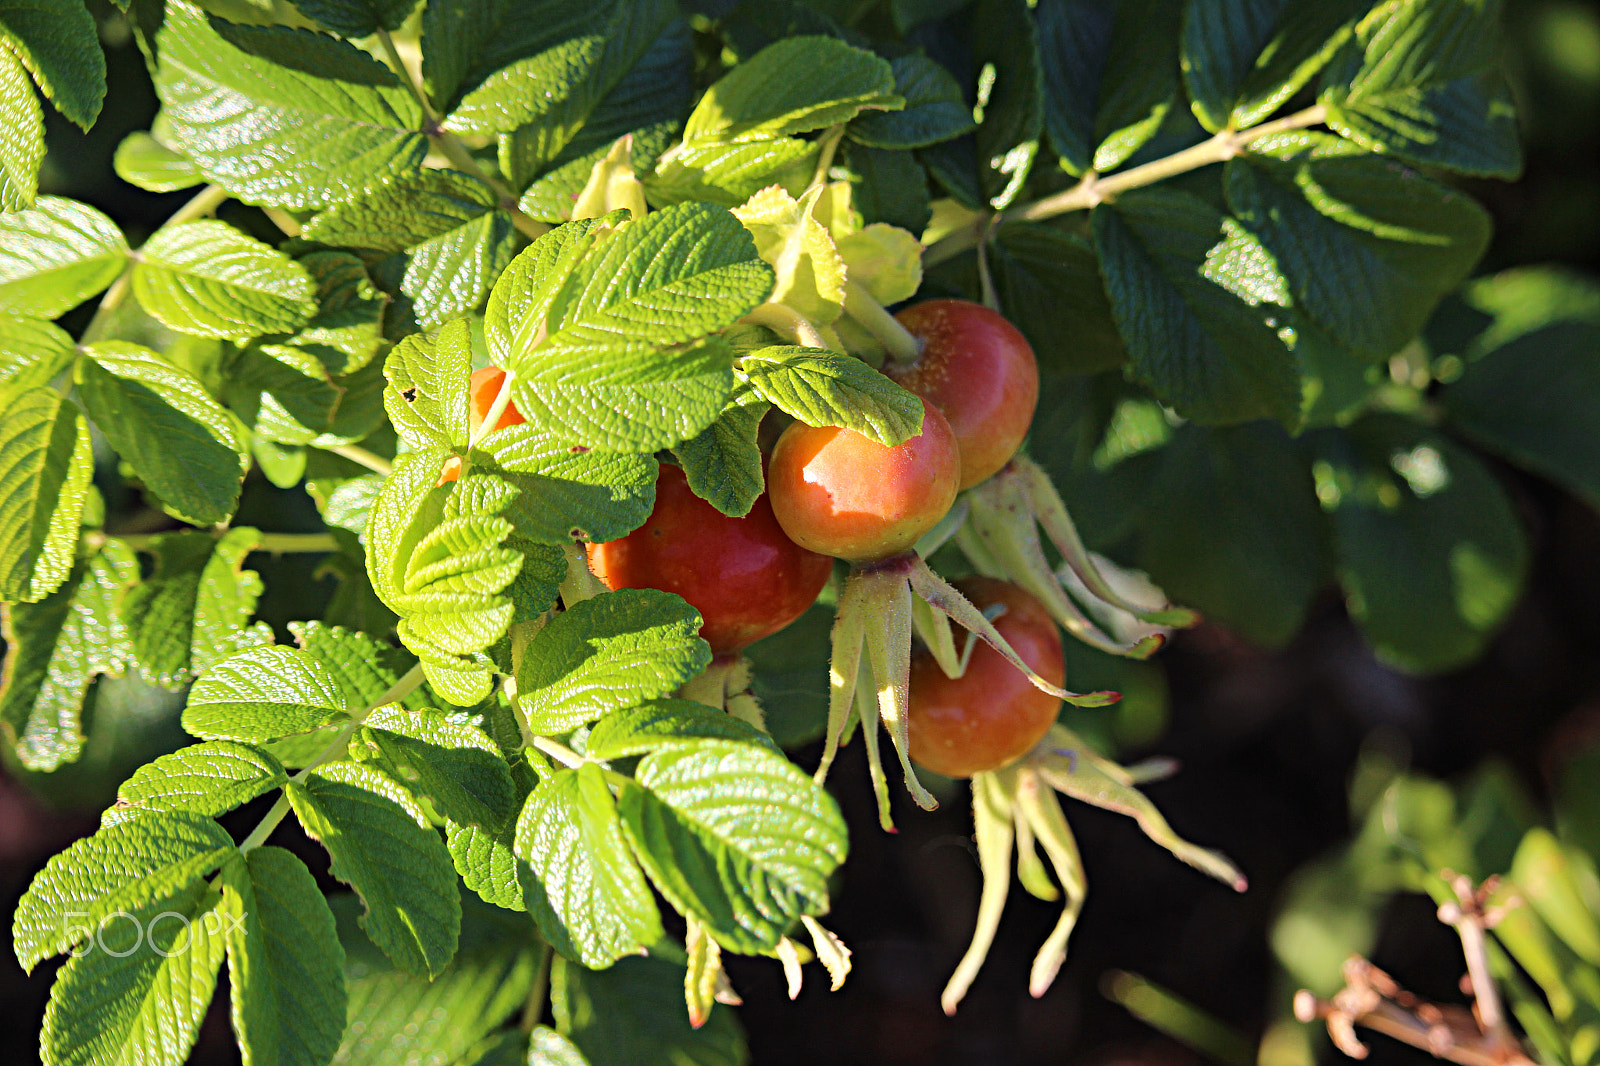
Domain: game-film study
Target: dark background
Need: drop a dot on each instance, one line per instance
(1267, 740)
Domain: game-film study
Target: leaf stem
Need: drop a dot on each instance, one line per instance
(1096, 189)
(876, 320)
(558, 751)
(201, 204)
(276, 543)
(786, 321)
(830, 147)
(409, 683)
(357, 454)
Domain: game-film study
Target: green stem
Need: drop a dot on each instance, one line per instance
(1096, 189)
(876, 320)
(202, 203)
(558, 751)
(341, 741)
(830, 147)
(787, 322)
(276, 543)
(356, 454)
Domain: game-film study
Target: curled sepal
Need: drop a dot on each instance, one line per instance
(844, 668)
(889, 649)
(1039, 811)
(704, 974)
(788, 953)
(867, 715)
(993, 797)
(1058, 526)
(943, 596)
(612, 186)
(1068, 765)
(831, 952)
(725, 685)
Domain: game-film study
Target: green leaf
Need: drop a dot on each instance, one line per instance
(366, 668)
(809, 269)
(60, 46)
(525, 90)
(663, 724)
(183, 444)
(264, 693)
(569, 493)
(591, 900)
(823, 388)
(22, 137)
(191, 613)
(1368, 246)
(209, 279)
(349, 317)
(1430, 552)
(723, 461)
(144, 161)
(1422, 80)
(357, 18)
(445, 234)
(466, 41)
(396, 1017)
(889, 187)
(436, 557)
(935, 110)
(1232, 528)
(1140, 85)
(141, 996)
(1544, 421)
(736, 835)
(488, 866)
(426, 397)
(1242, 59)
(33, 352)
(609, 652)
(45, 465)
(284, 962)
(121, 867)
(633, 1013)
(275, 135)
(452, 762)
(546, 1047)
(793, 86)
(1074, 37)
(56, 647)
(382, 846)
(1010, 107)
(206, 779)
(610, 351)
(56, 255)
(1203, 350)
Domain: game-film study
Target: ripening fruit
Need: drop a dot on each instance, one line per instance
(979, 371)
(744, 576)
(839, 493)
(991, 715)
(481, 392)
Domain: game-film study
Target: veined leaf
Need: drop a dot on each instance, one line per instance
(138, 997)
(1242, 59)
(1368, 246)
(793, 86)
(1430, 552)
(526, 89)
(206, 779)
(45, 464)
(285, 965)
(619, 357)
(723, 461)
(349, 319)
(1203, 349)
(608, 652)
(1074, 37)
(466, 41)
(22, 137)
(397, 1017)
(56, 255)
(446, 237)
(366, 668)
(55, 648)
(32, 352)
(264, 693)
(809, 269)
(121, 867)
(546, 1047)
(1010, 98)
(671, 723)
(890, 187)
(183, 444)
(823, 388)
(1140, 84)
(191, 613)
(633, 1012)
(736, 835)
(357, 18)
(934, 110)
(569, 493)
(488, 865)
(426, 397)
(275, 135)
(1422, 80)
(60, 46)
(453, 763)
(382, 846)
(591, 900)
(144, 161)
(207, 278)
